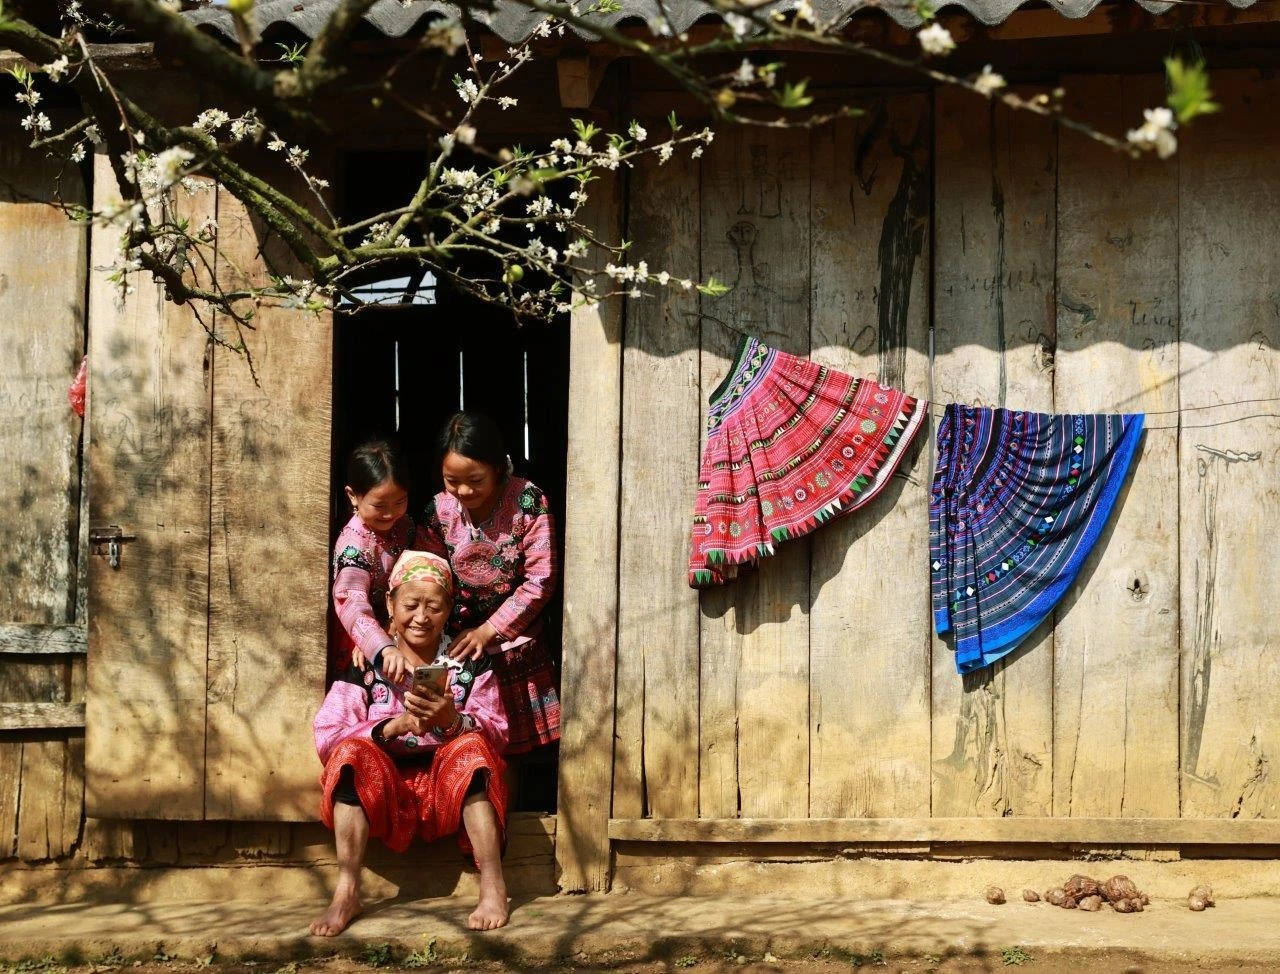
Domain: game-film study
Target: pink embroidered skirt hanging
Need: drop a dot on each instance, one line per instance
(790, 445)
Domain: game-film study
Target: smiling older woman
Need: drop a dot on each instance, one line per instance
(401, 761)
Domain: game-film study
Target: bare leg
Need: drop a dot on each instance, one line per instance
(482, 827)
(351, 833)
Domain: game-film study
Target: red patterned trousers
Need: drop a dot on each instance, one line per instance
(402, 801)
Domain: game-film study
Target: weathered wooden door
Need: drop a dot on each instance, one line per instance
(207, 616)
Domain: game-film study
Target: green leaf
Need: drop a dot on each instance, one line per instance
(924, 9)
(586, 131)
(793, 95)
(1189, 94)
(673, 122)
(713, 288)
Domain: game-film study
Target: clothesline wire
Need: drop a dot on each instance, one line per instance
(937, 409)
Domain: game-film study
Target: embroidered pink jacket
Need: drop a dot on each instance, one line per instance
(357, 702)
(362, 563)
(505, 567)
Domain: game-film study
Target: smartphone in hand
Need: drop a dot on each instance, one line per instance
(433, 675)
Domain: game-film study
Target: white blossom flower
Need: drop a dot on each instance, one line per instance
(804, 11)
(57, 68)
(94, 134)
(446, 34)
(740, 25)
(562, 145)
(707, 136)
(466, 134)
(637, 132)
(577, 249)
(468, 91)
(212, 119)
(989, 82)
(664, 152)
(38, 122)
(612, 157)
(77, 152)
(298, 155)
(30, 97)
(246, 126)
(1156, 132)
(169, 164)
(663, 278)
(506, 101)
(276, 144)
(447, 142)
(745, 75)
(936, 40)
(687, 284)
(697, 151)
(464, 178)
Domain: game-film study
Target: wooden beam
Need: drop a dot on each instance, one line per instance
(579, 79)
(119, 57)
(36, 716)
(1058, 831)
(591, 573)
(42, 640)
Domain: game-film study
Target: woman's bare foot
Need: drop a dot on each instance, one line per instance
(344, 908)
(492, 911)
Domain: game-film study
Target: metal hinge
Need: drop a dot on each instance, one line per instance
(107, 541)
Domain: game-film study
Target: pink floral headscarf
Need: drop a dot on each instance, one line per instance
(413, 565)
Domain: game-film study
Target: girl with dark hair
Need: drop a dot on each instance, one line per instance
(496, 530)
(368, 546)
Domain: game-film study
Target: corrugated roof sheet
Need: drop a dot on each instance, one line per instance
(513, 22)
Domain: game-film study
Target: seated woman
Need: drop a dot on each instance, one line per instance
(399, 762)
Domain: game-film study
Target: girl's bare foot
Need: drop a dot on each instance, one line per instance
(344, 908)
(492, 911)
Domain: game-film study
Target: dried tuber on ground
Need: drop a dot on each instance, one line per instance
(1056, 896)
(1196, 904)
(1205, 892)
(1070, 903)
(1144, 899)
(995, 895)
(1091, 903)
(1079, 886)
(1119, 888)
(1122, 906)
(1031, 896)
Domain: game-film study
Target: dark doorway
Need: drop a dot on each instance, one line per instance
(430, 350)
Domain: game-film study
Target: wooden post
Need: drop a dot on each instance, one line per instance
(994, 335)
(868, 629)
(590, 575)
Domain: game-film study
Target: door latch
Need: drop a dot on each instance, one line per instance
(107, 541)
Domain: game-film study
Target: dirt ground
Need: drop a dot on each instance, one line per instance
(382, 958)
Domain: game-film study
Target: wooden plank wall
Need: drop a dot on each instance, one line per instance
(42, 306)
(968, 254)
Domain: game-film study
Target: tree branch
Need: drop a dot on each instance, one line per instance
(267, 91)
(329, 45)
